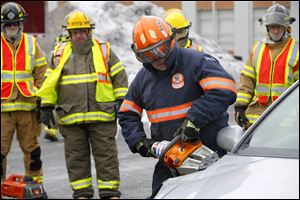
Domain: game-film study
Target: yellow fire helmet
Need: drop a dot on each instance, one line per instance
(77, 20)
(175, 18)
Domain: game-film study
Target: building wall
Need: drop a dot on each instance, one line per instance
(232, 24)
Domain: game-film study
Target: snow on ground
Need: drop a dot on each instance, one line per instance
(115, 21)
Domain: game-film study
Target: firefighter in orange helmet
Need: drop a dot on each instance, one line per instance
(182, 91)
(22, 69)
(272, 67)
(177, 20)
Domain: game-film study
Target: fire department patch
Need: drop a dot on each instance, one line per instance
(177, 81)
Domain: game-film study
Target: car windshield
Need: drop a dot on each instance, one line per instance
(278, 133)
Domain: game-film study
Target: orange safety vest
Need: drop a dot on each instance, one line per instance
(274, 77)
(17, 67)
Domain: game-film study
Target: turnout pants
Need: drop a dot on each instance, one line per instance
(80, 140)
(27, 129)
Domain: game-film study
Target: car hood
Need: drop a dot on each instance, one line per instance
(238, 177)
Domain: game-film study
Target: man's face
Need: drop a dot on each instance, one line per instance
(276, 31)
(11, 29)
(160, 65)
(79, 35)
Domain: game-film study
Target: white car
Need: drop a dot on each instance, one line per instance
(262, 163)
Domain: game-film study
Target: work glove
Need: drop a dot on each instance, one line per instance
(240, 116)
(144, 147)
(188, 131)
(38, 110)
(47, 116)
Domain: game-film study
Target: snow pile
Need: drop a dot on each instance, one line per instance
(115, 21)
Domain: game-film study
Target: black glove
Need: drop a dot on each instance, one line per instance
(240, 116)
(144, 147)
(47, 116)
(38, 110)
(188, 131)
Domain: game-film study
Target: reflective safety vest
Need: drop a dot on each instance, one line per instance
(274, 77)
(104, 87)
(17, 68)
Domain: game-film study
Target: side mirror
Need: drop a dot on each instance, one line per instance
(229, 136)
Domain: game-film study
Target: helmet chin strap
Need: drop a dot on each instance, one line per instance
(284, 35)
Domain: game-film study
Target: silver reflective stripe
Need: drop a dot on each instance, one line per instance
(115, 68)
(103, 78)
(23, 76)
(262, 88)
(294, 54)
(31, 50)
(256, 53)
(169, 113)
(7, 77)
(6, 107)
(279, 89)
(41, 61)
(120, 91)
(104, 50)
(131, 108)
(217, 82)
(80, 77)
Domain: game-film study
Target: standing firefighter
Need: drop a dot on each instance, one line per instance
(22, 69)
(272, 67)
(176, 19)
(182, 90)
(87, 83)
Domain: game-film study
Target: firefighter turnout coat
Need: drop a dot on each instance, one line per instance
(269, 71)
(84, 95)
(195, 86)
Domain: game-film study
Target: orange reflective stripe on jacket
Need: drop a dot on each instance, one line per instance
(274, 77)
(170, 113)
(18, 67)
(130, 106)
(217, 83)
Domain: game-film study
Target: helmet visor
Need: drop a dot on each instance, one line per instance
(153, 53)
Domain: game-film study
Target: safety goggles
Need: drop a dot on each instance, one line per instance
(155, 52)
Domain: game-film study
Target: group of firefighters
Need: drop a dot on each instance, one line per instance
(86, 85)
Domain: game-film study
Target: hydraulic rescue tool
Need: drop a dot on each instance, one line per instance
(22, 187)
(184, 157)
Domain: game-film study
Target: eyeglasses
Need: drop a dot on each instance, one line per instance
(155, 52)
(8, 24)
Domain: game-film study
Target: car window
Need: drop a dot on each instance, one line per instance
(278, 133)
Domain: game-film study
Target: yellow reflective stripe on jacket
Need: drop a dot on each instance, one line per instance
(108, 184)
(80, 184)
(40, 61)
(252, 118)
(249, 71)
(87, 116)
(116, 68)
(30, 48)
(243, 97)
(77, 79)
(7, 107)
(120, 92)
